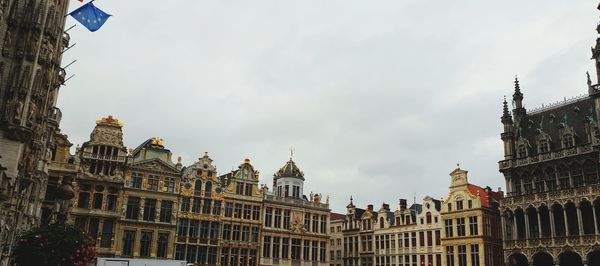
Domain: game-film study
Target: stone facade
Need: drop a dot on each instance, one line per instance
(295, 227)
(471, 221)
(98, 201)
(336, 238)
(32, 41)
(146, 228)
(551, 215)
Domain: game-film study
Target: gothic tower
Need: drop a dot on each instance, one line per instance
(32, 39)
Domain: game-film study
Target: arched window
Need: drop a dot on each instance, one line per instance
(198, 188)
(207, 189)
(381, 223)
(428, 217)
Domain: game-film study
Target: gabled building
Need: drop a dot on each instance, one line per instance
(295, 227)
(240, 242)
(200, 213)
(471, 220)
(336, 236)
(357, 222)
(96, 207)
(146, 227)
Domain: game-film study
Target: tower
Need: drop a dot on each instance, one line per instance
(508, 134)
(288, 182)
(32, 39)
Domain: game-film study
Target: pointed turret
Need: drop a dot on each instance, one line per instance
(506, 116)
(508, 135)
(519, 111)
(596, 52)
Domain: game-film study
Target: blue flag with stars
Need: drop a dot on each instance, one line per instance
(90, 16)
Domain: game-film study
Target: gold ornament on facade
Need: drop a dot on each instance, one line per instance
(156, 141)
(109, 121)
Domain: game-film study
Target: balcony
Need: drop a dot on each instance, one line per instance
(94, 156)
(514, 200)
(55, 116)
(295, 201)
(503, 165)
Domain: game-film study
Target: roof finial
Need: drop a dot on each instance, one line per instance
(291, 153)
(589, 80)
(350, 199)
(505, 108)
(458, 165)
(517, 86)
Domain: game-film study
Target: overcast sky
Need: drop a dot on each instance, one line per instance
(379, 99)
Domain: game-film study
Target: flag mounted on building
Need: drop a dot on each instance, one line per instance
(90, 16)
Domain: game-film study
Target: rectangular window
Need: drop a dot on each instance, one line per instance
(296, 248)
(247, 211)
(169, 184)
(217, 208)
(438, 240)
(268, 216)
(107, 231)
(239, 188)
(128, 242)
(133, 208)
(206, 209)
(194, 226)
(97, 201)
(460, 226)
(93, 231)
(236, 233)
(266, 247)
(83, 200)
(185, 204)
(462, 255)
(448, 228)
(145, 243)
(183, 227)
(248, 191)
(449, 256)
(473, 227)
(286, 219)
(429, 238)
(153, 182)
(246, 233)
(276, 243)
(323, 253)
(413, 238)
(228, 209)
(314, 250)
(449, 207)
(255, 231)
(166, 207)
(256, 213)
(162, 245)
(315, 223)
(470, 204)
(421, 239)
(323, 224)
(306, 250)
(459, 205)
(475, 255)
(136, 180)
(237, 211)
(111, 202)
(277, 220)
(149, 209)
(226, 232)
(285, 245)
(196, 205)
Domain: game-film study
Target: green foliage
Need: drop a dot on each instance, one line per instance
(55, 244)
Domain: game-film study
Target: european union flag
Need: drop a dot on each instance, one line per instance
(90, 16)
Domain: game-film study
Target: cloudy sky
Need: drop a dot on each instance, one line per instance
(379, 99)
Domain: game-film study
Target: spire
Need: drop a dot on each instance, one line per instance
(596, 52)
(517, 96)
(518, 100)
(506, 117)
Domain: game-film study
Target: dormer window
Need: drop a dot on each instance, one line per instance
(543, 146)
(568, 141)
(522, 151)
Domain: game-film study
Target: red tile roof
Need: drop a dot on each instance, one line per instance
(337, 216)
(483, 194)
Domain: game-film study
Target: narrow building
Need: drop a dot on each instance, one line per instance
(146, 227)
(240, 241)
(471, 220)
(97, 203)
(294, 226)
(199, 215)
(336, 223)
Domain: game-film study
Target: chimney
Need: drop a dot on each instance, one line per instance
(402, 204)
(370, 207)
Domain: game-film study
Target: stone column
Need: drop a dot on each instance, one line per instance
(567, 233)
(595, 221)
(526, 215)
(551, 214)
(579, 220)
(539, 217)
(514, 228)
(503, 224)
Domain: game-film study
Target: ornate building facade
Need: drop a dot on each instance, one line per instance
(551, 215)
(32, 41)
(471, 220)
(146, 228)
(96, 207)
(295, 227)
(241, 232)
(354, 225)
(200, 212)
